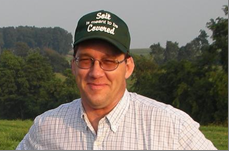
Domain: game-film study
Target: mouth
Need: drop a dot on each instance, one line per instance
(96, 86)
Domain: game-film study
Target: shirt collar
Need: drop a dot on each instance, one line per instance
(116, 115)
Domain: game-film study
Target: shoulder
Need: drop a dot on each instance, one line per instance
(49, 124)
(154, 107)
(169, 122)
(63, 109)
(61, 113)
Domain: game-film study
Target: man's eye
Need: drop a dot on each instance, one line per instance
(84, 59)
(107, 61)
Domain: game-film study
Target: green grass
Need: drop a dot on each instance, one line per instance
(13, 131)
(218, 135)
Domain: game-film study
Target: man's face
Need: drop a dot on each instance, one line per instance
(99, 88)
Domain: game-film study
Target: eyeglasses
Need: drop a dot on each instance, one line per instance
(105, 64)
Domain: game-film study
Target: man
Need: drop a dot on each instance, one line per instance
(107, 116)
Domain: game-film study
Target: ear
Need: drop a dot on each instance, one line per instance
(73, 65)
(129, 67)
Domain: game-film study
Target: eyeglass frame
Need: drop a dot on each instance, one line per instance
(76, 59)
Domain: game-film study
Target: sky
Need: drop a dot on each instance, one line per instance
(149, 21)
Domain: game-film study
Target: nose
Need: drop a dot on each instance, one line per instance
(96, 71)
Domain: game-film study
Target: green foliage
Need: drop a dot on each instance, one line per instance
(199, 92)
(39, 75)
(157, 52)
(28, 86)
(13, 84)
(219, 28)
(21, 49)
(193, 50)
(9, 37)
(52, 43)
(171, 51)
(57, 61)
(56, 38)
(145, 68)
(1, 41)
(192, 78)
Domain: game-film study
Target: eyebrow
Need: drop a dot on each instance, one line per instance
(103, 56)
(83, 55)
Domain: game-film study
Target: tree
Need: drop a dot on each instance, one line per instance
(13, 86)
(21, 49)
(193, 50)
(56, 38)
(38, 74)
(28, 86)
(157, 52)
(142, 78)
(61, 40)
(57, 61)
(1, 41)
(195, 83)
(26, 35)
(219, 28)
(9, 37)
(171, 51)
(201, 91)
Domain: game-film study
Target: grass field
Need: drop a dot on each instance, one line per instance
(218, 135)
(12, 132)
(141, 51)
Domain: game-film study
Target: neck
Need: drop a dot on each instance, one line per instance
(95, 115)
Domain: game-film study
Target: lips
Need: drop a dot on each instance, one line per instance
(96, 86)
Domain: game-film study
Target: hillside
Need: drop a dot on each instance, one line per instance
(140, 51)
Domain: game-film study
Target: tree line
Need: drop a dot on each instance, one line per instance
(55, 38)
(29, 59)
(30, 87)
(192, 77)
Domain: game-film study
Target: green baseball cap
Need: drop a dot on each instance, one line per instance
(103, 25)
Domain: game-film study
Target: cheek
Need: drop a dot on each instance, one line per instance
(118, 77)
(80, 78)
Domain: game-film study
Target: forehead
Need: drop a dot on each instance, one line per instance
(99, 45)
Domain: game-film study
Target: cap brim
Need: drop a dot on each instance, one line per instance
(120, 47)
